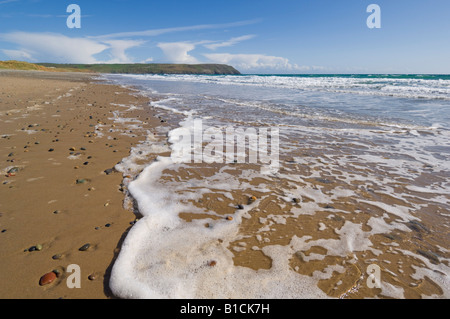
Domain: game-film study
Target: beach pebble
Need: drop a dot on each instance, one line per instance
(47, 279)
(108, 171)
(57, 257)
(92, 277)
(240, 206)
(229, 218)
(81, 181)
(296, 200)
(85, 247)
(252, 199)
(51, 150)
(212, 263)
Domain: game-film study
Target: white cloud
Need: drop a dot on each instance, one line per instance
(55, 47)
(156, 32)
(248, 62)
(118, 48)
(18, 55)
(231, 42)
(51, 47)
(177, 52)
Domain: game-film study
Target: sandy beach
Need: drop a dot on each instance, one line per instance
(59, 144)
(63, 203)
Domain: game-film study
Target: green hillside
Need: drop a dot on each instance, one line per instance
(148, 68)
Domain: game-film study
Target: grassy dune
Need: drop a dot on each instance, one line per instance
(18, 65)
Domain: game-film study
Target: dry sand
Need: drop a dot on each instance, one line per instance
(55, 129)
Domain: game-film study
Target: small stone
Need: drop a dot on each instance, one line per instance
(56, 212)
(51, 150)
(39, 247)
(92, 277)
(81, 181)
(85, 247)
(73, 149)
(13, 170)
(57, 257)
(212, 263)
(296, 200)
(229, 218)
(108, 225)
(108, 171)
(32, 248)
(47, 279)
(240, 206)
(251, 199)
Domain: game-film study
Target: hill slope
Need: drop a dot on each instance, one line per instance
(149, 68)
(18, 65)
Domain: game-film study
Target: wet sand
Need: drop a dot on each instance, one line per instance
(58, 189)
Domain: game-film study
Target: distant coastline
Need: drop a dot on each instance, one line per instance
(209, 69)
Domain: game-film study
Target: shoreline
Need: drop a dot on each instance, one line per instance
(59, 189)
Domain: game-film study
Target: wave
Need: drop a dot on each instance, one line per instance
(416, 87)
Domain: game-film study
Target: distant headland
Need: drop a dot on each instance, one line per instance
(150, 68)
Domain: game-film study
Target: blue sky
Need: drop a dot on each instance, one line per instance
(283, 36)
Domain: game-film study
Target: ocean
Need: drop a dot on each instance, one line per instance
(339, 188)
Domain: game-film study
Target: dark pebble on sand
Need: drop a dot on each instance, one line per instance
(51, 150)
(57, 257)
(81, 181)
(240, 206)
(85, 247)
(109, 171)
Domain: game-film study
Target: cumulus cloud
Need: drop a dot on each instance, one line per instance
(231, 42)
(52, 47)
(177, 52)
(18, 55)
(57, 47)
(253, 61)
(118, 48)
